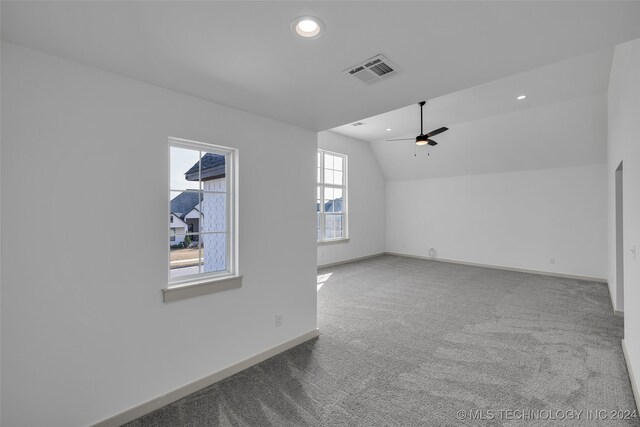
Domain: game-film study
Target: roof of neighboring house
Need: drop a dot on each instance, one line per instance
(184, 202)
(212, 168)
(335, 205)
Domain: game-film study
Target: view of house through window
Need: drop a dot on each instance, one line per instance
(331, 196)
(199, 210)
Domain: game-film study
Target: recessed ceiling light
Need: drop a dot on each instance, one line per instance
(308, 27)
(388, 129)
(521, 97)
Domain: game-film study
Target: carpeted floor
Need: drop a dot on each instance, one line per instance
(407, 342)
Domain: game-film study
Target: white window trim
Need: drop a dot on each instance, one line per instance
(345, 194)
(333, 241)
(196, 288)
(205, 283)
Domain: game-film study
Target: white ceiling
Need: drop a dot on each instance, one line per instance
(571, 78)
(568, 133)
(562, 122)
(242, 54)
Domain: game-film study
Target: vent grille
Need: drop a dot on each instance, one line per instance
(372, 70)
(357, 124)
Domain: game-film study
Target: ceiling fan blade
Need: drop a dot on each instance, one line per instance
(402, 139)
(431, 142)
(437, 131)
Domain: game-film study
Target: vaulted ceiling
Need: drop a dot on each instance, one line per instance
(561, 123)
(243, 54)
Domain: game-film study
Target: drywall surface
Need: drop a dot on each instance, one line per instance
(366, 201)
(624, 146)
(85, 334)
(562, 134)
(517, 219)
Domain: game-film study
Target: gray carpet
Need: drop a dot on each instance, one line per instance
(408, 342)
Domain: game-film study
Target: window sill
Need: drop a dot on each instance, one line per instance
(200, 287)
(332, 242)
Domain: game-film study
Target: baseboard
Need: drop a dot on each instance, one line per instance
(500, 267)
(619, 313)
(632, 377)
(160, 401)
(348, 261)
(613, 305)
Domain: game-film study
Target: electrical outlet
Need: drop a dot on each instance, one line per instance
(279, 319)
(552, 260)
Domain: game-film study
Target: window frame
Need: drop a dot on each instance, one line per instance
(321, 185)
(177, 288)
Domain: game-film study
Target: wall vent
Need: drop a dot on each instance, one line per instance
(372, 70)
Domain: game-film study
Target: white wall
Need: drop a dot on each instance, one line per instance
(85, 334)
(515, 219)
(624, 145)
(366, 199)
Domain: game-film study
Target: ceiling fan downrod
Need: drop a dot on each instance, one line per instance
(421, 104)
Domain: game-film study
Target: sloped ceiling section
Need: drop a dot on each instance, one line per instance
(243, 54)
(569, 133)
(562, 122)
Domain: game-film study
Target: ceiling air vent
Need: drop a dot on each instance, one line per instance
(372, 70)
(357, 124)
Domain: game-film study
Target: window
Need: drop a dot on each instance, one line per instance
(331, 196)
(202, 211)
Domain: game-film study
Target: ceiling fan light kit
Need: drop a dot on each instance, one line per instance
(424, 139)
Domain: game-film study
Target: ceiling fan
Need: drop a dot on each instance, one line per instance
(423, 139)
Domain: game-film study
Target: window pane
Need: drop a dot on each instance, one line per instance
(214, 212)
(183, 260)
(333, 200)
(199, 200)
(328, 161)
(334, 225)
(330, 206)
(214, 252)
(181, 161)
(337, 163)
(328, 176)
(337, 178)
(328, 196)
(183, 211)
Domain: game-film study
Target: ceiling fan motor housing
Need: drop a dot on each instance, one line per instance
(422, 140)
